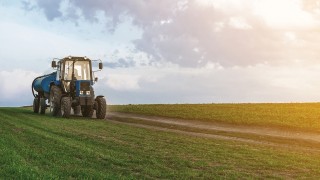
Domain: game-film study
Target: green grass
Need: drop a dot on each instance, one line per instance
(36, 146)
(291, 115)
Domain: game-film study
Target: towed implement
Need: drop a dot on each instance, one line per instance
(69, 87)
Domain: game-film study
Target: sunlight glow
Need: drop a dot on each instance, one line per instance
(275, 13)
(283, 14)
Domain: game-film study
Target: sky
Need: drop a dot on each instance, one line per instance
(168, 51)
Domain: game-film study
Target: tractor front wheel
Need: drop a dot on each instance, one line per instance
(101, 107)
(65, 107)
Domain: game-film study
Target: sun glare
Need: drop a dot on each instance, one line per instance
(277, 14)
(283, 14)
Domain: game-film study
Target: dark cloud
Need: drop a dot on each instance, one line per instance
(121, 63)
(189, 34)
(51, 8)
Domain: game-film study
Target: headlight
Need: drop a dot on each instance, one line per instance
(88, 92)
(81, 92)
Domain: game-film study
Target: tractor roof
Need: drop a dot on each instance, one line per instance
(75, 58)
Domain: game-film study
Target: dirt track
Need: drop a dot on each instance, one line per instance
(215, 129)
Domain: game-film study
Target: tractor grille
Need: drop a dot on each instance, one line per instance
(85, 86)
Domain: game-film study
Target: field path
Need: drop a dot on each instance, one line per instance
(184, 126)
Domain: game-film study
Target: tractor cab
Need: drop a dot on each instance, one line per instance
(74, 73)
(77, 69)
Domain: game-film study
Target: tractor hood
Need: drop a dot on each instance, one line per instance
(83, 88)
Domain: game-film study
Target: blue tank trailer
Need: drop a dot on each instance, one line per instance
(70, 86)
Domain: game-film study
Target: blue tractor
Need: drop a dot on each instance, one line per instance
(69, 88)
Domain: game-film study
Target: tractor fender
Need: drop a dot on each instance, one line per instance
(56, 83)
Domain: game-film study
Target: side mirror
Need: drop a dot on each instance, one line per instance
(100, 66)
(96, 79)
(53, 64)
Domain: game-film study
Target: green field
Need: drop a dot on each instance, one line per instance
(36, 146)
(304, 116)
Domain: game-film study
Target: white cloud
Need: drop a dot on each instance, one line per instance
(13, 82)
(284, 13)
(123, 82)
(16, 87)
(212, 83)
(239, 23)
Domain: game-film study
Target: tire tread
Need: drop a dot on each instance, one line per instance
(101, 107)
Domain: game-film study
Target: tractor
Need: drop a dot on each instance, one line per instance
(68, 88)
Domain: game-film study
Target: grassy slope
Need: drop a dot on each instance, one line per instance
(32, 146)
(293, 115)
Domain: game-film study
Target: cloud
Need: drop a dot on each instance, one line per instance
(192, 33)
(52, 12)
(121, 63)
(211, 84)
(16, 87)
(123, 82)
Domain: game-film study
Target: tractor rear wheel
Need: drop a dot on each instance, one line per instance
(87, 111)
(36, 105)
(43, 106)
(101, 107)
(65, 107)
(54, 100)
